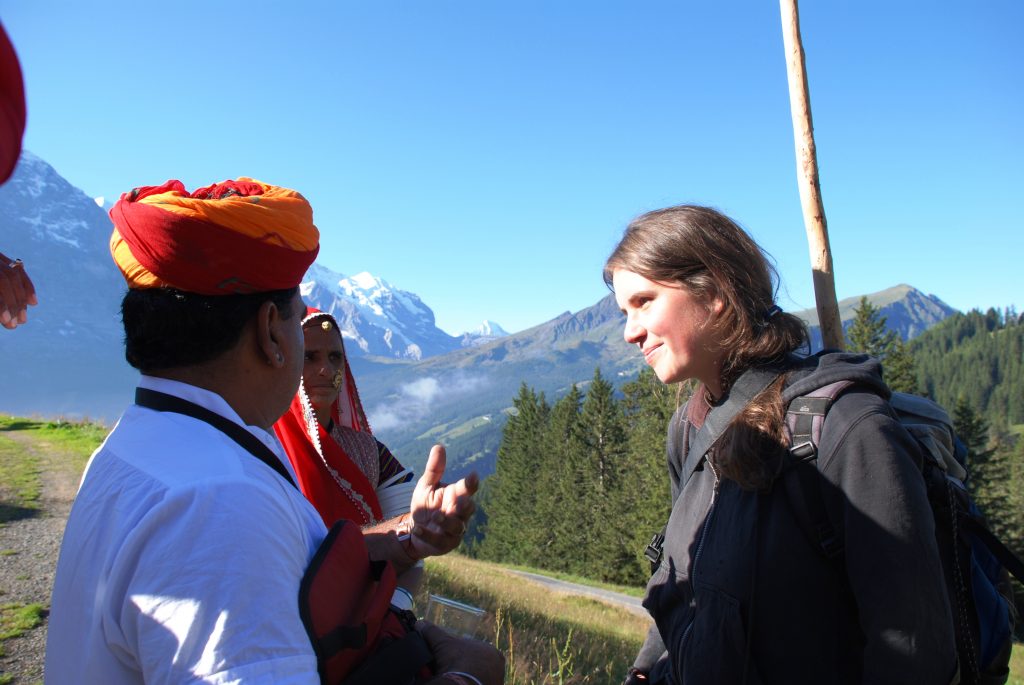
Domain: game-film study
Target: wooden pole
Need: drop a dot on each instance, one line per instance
(807, 180)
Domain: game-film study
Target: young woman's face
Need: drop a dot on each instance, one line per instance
(324, 369)
(671, 327)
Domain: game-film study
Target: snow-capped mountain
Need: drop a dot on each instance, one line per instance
(482, 334)
(488, 329)
(69, 357)
(377, 318)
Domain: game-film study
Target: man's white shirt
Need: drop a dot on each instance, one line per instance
(182, 558)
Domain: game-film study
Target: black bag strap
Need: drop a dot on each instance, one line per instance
(802, 483)
(746, 387)
(1010, 561)
(161, 401)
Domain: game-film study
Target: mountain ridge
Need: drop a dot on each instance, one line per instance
(550, 357)
(908, 312)
(68, 358)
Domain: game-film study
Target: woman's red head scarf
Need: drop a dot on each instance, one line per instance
(327, 476)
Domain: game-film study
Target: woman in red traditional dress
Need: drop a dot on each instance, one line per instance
(341, 468)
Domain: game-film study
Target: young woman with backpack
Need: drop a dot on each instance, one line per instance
(740, 592)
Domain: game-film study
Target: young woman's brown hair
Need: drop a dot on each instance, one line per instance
(710, 256)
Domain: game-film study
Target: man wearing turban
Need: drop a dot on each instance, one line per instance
(185, 547)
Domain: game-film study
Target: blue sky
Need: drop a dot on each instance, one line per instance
(487, 155)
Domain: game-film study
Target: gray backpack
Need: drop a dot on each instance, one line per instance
(974, 561)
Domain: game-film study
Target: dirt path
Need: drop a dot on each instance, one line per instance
(628, 602)
(29, 547)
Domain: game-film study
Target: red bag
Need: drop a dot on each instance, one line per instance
(345, 605)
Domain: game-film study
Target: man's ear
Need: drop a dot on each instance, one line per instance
(268, 333)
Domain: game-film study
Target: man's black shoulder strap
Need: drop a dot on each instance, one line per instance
(160, 401)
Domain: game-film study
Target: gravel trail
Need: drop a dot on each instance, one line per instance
(29, 547)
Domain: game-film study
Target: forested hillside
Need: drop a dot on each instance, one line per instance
(977, 357)
(581, 486)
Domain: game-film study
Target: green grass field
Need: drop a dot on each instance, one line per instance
(20, 468)
(19, 480)
(1017, 665)
(79, 439)
(546, 637)
(540, 633)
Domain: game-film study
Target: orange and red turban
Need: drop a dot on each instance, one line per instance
(234, 237)
(12, 107)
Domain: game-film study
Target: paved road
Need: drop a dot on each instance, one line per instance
(627, 602)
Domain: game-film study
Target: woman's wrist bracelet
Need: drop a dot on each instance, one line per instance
(461, 678)
(405, 541)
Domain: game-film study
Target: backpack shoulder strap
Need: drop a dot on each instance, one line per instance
(805, 417)
(746, 387)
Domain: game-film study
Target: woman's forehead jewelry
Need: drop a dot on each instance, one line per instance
(326, 325)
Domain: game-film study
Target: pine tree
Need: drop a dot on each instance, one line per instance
(989, 471)
(900, 371)
(972, 429)
(1014, 447)
(478, 523)
(1014, 535)
(867, 332)
(512, 497)
(556, 542)
(648, 406)
(598, 478)
(1003, 472)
